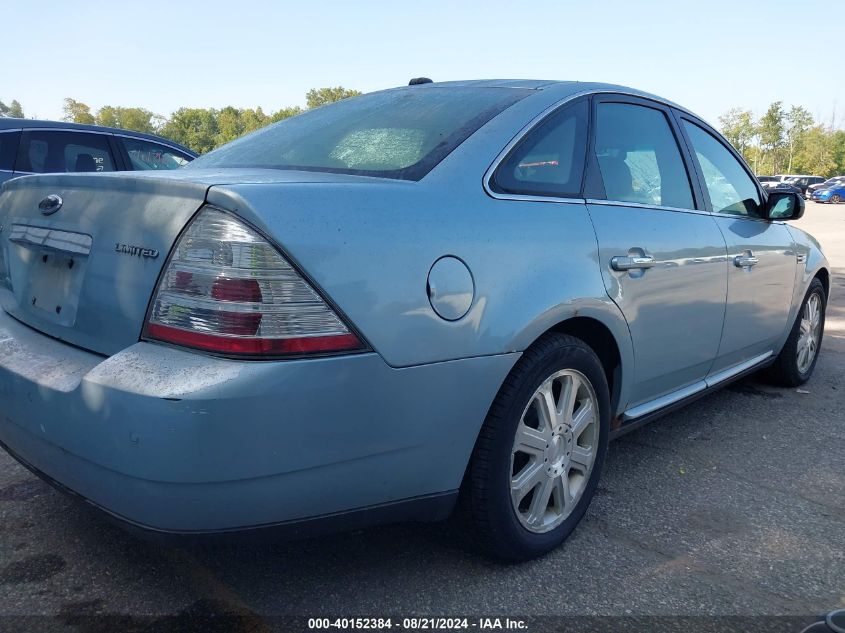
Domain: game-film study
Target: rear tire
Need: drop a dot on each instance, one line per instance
(796, 361)
(539, 455)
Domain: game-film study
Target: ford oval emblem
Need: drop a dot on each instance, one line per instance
(50, 204)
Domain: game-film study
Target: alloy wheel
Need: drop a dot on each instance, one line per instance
(554, 450)
(808, 340)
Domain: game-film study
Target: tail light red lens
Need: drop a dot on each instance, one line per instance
(226, 289)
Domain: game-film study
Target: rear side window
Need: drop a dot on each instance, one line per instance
(732, 190)
(550, 161)
(8, 149)
(146, 155)
(47, 152)
(399, 134)
(639, 158)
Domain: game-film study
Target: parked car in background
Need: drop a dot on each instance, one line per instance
(767, 180)
(782, 186)
(830, 182)
(834, 194)
(802, 182)
(436, 294)
(28, 146)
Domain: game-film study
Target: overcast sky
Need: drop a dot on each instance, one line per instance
(708, 56)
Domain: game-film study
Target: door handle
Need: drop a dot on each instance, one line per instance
(746, 260)
(631, 262)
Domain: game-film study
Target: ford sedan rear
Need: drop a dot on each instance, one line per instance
(437, 296)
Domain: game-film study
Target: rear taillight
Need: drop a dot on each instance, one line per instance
(226, 289)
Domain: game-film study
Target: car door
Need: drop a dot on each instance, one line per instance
(662, 256)
(761, 253)
(60, 151)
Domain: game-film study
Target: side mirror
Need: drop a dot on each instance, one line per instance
(784, 205)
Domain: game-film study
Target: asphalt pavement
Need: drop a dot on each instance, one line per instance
(732, 506)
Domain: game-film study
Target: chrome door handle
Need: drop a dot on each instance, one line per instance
(745, 261)
(631, 263)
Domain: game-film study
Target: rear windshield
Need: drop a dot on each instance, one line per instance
(399, 134)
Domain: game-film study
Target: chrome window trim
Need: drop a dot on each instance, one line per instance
(11, 129)
(529, 198)
(61, 129)
(528, 127)
(640, 205)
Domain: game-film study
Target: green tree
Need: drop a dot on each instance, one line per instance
(194, 127)
(77, 112)
(798, 121)
(13, 110)
(771, 130)
(838, 150)
(816, 154)
(284, 113)
(137, 119)
(317, 97)
(737, 125)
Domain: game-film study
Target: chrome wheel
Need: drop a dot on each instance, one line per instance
(835, 198)
(554, 450)
(808, 339)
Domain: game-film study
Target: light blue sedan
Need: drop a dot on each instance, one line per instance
(443, 294)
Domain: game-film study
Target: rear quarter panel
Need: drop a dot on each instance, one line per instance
(808, 247)
(370, 248)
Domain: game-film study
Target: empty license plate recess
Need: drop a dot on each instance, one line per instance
(47, 268)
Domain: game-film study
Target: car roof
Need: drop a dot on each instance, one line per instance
(562, 88)
(9, 123)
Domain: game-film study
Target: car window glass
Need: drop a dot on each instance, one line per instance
(730, 187)
(639, 158)
(550, 161)
(58, 152)
(146, 155)
(399, 134)
(8, 149)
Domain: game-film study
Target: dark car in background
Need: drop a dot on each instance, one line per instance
(836, 181)
(802, 182)
(781, 187)
(28, 146)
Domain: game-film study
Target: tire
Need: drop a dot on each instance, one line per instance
(835, 199)
(516, 531)
(789, 370)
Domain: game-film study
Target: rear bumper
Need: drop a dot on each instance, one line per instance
(174, 441)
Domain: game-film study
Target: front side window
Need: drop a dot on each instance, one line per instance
(399, 134)
(731, 188)
(48, 152)
(146, 155)
(550, 161)
(639, 158)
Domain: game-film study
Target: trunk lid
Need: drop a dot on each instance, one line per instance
(84, 272)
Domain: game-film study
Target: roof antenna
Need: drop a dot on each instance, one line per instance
(416, 81)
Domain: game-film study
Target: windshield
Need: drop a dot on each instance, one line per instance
(393, 134)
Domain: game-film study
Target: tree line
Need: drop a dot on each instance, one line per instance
(201, 129)
(781, 141)
(785, 141)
